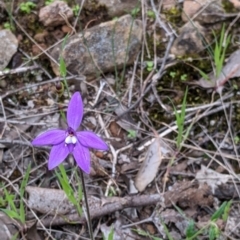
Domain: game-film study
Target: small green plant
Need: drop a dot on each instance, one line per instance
(48, 2)
(112, 192)
(150, 65)
(211, 228)
(69, 191)
(180, 117)
(135, 11)
(235, 86)
(76, 9)
(172, 74)
(26, 7)
(7, 25)
(236, 140)
(220, 51)
(151, 14)
(13, 211)
(131, 133)
(183, 77)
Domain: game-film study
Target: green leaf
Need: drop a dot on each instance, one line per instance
(190, 230)
(10, 200)
(151, 14)
(213, 232)
(22, 190)
(203, 74)
(63, 68)
(180, 117)
(11, 213)
(150, 64)
(14, 237)
(226, 211)
(111, 234)
(167, 231)
(135, 11)
(67, 188)
(219, 212)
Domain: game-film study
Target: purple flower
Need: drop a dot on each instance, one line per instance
(69, 141)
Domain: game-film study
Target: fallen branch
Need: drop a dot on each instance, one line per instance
(184, 194)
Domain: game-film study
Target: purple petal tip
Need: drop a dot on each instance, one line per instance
(75, 111)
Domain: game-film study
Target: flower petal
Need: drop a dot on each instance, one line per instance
(91, 140)
(75, 111)
(82, 157)
(50, 137)
(57, 155)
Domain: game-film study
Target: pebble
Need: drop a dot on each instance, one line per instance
(8, 47)
(55, 14)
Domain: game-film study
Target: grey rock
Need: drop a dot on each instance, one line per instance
(8, 47)
(100, 48)
(189, 40)
(55, 14)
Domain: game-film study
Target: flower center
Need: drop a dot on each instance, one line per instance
(71, 138)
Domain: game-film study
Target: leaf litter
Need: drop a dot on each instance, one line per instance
(192, 196)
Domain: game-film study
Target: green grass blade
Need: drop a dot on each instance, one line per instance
(10, 200)
(67, 188)
(22, 190)
(180, 117)
(111, 234)
(166, 231)
(11, 213)
(63, 68)
(226, 211)
(219, 212)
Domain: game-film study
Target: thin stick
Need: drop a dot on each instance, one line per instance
(87, 207)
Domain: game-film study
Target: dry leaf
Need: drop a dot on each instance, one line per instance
(212, 178)
(156, 152)
(32, 231)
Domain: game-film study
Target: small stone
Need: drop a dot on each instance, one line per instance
(101, 47)
(204, 11)
(8, 47)
(36, 50)
(55, 14)
(189, 40)
(40, 37)
(67, 29)
(3, 83)
(57, 34)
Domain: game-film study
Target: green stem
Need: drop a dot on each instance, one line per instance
(87, 207)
